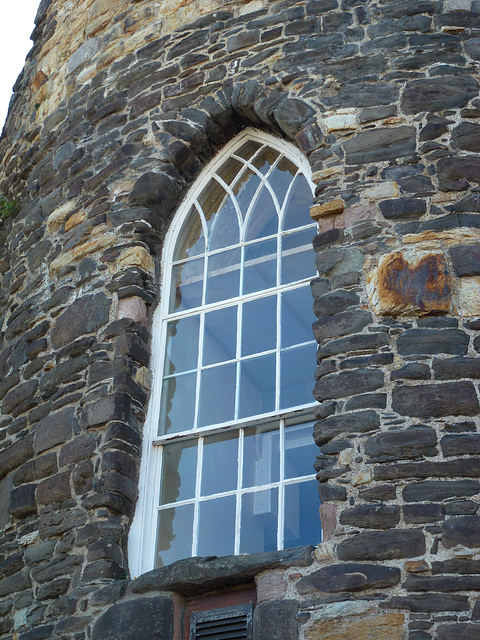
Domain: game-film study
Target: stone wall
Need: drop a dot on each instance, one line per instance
(119, 107)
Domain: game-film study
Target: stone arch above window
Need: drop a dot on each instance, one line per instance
(228, 459)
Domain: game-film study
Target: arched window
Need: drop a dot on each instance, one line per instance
(228, 462)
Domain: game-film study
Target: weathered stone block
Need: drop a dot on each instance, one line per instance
(349, 577)
(460, 444)
(55, 429)
(380, 144)
(413, 442)
(428, 603)
(403, 208)
(436, 94)
(382, 545)
(437, 490)
(342, 324)
(436, 400)
(54, 489)
(453, 368)
(152, 618)
(464, 530)
(355, 422)
(22, 501)
(466, 259)
(346, 625)
(85, 315)
(15, 455)
(422, 513)
(347, 383)
(371, 516)
(463, 631)
(276, 620)
(114, 407)
(455, 174)
(410, 282)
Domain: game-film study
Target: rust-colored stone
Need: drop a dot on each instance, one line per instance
(416, 566)
(328, 518)
(383, 627)
(407, 283)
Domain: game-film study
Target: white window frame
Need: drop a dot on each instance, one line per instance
(142, 536)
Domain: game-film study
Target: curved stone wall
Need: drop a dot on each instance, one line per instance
(118, 109)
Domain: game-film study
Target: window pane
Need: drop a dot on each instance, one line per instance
(175, 534)
(217, 527)
(220, 463)
(297, 211)
(260, 266)
(302, 522)
(191, 241)
(281, 177)
(296, 319)
(224, 230)
(263, 219)
(245, 189)
(257, 386)
(247, 150)
(259, 521)
(182, 345)
(187, 285)
(217, 395)
(211, 200)
(300, 450)
(230, 170)
(264, 160)
(261, 456)
(296, 377)
(220, 339)
(259, 325)
(178, 404)
(223, 279)
(298, 260)
(179, 471)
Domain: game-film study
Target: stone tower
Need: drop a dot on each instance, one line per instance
(119, 110)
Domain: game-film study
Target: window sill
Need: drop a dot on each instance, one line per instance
(193, 576)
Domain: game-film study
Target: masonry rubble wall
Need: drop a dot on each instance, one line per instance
(119, 107)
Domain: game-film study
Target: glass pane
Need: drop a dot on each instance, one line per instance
(212, 200)
(220, 338)
(187, 285)
(223, 279)
(260, 266)
(257, 386)
(297, 211)
(179, 470)
(302, 522)
(264, 160)
(298, 257)
(220, 463)
(281, 177)
(300, 450)
(175, 534)
(263, 219)
(191, 241)
(261, 455)
(182, 345)
(245, 188)
(259, 521)
(259, 325)
(217, 395)
(247, 150)
(224, 230)
(230, 170)
(216, 535)
(296, 378)
(297, 316)
(177, 407)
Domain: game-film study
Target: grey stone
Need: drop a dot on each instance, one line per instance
(382, 492)
(85, 315)
(403, 208)
(349, 577)
(455, 174)
(334, 302)
(463, 530)
(436, 94)
(437, 490)
(54, 429)
(341, 324)
(54, 489)
(83, 54)
(15, 455)
(371, 516)
(114, 407)
(460, 444)
(347, 383)
(6, 486)
(433, 341)
(22, 501)
(411, 371)
(56, 568)
(78, 449)
(380, 145)
(463, 631)
(422, 513)
(291, 114)
(352, 344)
(343, 424)
(276, 620)
(193, 576)
(466, 259)
(414, 442)
(155, 190)
(427, 603)
(382, 545)
(148, 618)
(436, 400)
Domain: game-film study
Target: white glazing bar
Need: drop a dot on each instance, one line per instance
(238, 503)
(277, 353)
(197, 496)
(281, 488)
(237, 353)
(199, 367)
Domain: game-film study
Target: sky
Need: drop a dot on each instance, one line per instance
(16, 26)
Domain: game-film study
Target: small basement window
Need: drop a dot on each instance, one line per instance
(221, 616)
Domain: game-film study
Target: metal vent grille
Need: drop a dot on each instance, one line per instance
(231, 623)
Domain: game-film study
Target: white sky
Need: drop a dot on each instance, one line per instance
(16, 26)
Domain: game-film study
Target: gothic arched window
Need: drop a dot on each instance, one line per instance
(228, 464)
